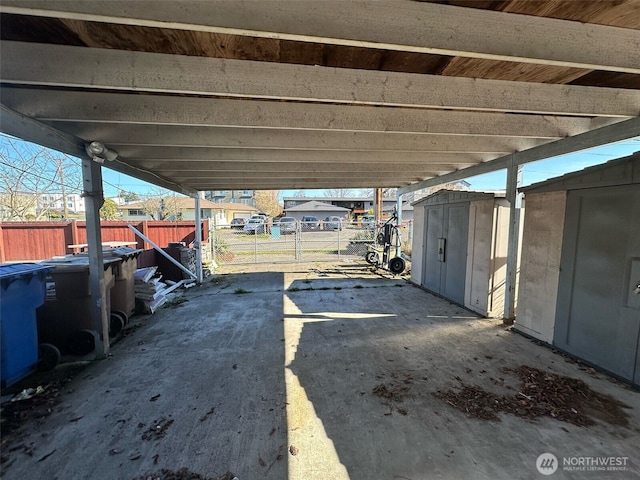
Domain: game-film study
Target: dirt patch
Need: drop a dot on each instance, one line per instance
(182, 474)
(393, 392)
(539, 394)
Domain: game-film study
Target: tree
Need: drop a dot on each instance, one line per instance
(161, 204)
(129, 197)
(339, 193)
(267, 202)
(109, 210)
(27, 172)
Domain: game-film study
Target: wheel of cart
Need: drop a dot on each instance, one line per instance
(117, 321)
(48, 357)
(81, 342)
(397, 265)
(372, 257)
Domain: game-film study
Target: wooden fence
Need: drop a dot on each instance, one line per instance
(33, 241)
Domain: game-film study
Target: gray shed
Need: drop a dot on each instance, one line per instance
(580, 266)
(460, 248)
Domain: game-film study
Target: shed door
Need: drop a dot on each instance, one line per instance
(598, 312)
(445, 250)
(454, 272)
(432, 267)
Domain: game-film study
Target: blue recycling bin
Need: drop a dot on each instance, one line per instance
(275, 232)
(22, 290)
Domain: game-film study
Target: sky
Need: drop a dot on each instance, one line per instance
(532, 172)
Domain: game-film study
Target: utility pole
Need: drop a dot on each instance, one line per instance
(378, 205)
(64, 192)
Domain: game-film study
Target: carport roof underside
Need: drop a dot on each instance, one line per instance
(319, 94)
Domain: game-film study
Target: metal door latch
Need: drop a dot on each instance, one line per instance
(637, 290)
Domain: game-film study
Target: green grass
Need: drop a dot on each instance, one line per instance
(174, 302)
(239, 291)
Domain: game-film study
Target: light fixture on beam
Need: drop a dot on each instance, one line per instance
(99, 153)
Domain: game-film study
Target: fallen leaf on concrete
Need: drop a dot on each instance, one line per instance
(115, 451)
(158, 430)
(273, 430)
(540, 394)
(262, 462)
(293, 450)
(134, 456)
(76, 419)
(154, 398)
(47, 455)
(182, 474)
(206, 415)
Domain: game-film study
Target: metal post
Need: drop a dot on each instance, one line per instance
(339, 231)
(399, 215)
(197, 244)
(514, 180)
(255, 245)
(92, 192)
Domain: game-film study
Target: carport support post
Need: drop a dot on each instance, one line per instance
(514, 181)
(399, 215)
(197, 244)
(93, 195)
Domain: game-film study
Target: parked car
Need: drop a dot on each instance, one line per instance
(332, 223)
(288, 225)
(255, 225)
(310, 223)
(368, 221)
(237, 223)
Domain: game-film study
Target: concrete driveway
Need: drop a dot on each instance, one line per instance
(284, 375)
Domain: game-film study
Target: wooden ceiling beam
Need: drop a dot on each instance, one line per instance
(174, 168)
(251, 138)
(178, 154)
(399, 26)
(117, 70)
(102, 110)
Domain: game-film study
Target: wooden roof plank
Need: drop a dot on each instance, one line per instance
(103, 109)
(116, 70)
(422, 27)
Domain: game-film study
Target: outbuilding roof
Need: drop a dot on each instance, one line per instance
(318, 207)
(621, 171)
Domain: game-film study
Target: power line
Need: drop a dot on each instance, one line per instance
(50, 180)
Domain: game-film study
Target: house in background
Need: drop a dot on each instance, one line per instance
(357, 206)
(55, 202)
(224, 213)
(320, 210)
(244, 197)
(168, 208)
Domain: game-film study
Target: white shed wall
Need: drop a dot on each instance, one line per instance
(417, 245)
(540, 264)
(486, 260)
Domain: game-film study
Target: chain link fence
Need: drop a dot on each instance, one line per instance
(295, 242)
